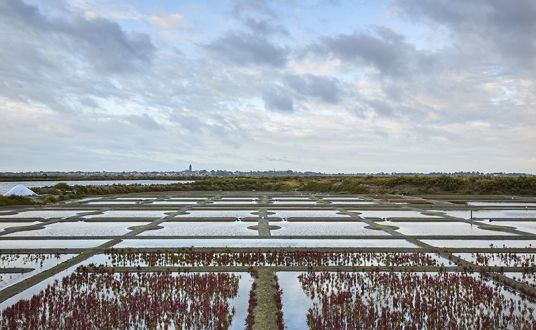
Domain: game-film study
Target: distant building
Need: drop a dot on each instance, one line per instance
(190, 168)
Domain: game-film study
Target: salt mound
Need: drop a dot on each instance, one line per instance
(19, 190)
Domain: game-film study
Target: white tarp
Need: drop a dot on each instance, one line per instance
(19, 190)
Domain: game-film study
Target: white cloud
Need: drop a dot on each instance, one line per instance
(315, 67)
(167, 22)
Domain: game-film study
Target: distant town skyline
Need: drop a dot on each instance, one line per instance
(325, 85)
(227, 172)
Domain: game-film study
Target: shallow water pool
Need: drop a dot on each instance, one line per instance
(81, 229)
(528, 226)
(392, 214)
(306, 214)
(45, 214)
(229, 202)
(289, 202)
(203, 229)
(171, 203)
(486, 214)
(513, 204)
(217, 214)
(441, 228)
(112, 203)
(129, 214)
(342, 198)
(51, 244)
(481, 243)
(300, 228)
(265, 242)
(24, 260)
(349, 202)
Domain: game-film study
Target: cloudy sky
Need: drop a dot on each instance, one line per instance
(334, 86)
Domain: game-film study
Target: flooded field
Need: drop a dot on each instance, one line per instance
(227, 260)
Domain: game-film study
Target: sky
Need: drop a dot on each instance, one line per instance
(326, 85)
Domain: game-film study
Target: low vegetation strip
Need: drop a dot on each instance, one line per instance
(267, 309)
(521, 185)
(517, 185)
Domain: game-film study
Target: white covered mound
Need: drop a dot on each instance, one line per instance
(19, 190)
